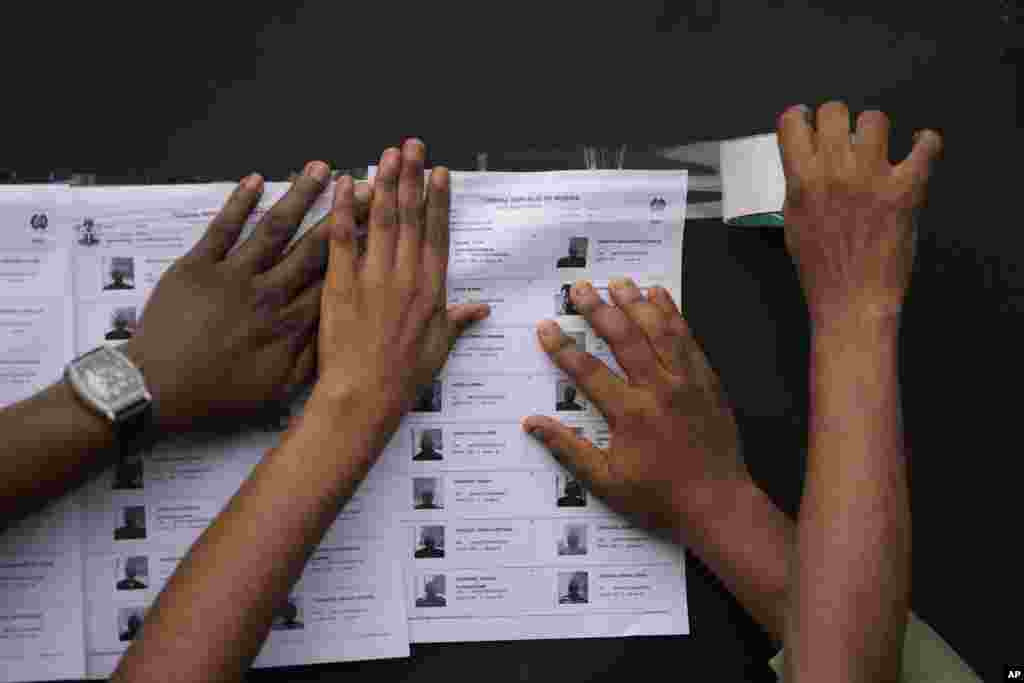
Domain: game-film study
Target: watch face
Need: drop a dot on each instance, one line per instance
(108, 378)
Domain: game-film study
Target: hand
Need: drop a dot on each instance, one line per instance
(674, 456)
(225, 335)
(385, 330)
(849, 212)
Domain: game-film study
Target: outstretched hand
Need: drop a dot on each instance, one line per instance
(849, 212)
(674, 456)
(227, 332)
(385, 328)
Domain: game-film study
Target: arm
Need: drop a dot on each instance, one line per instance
(849, 229)
(212, 617)
(384, 331)
(192, 364)
(674, 462)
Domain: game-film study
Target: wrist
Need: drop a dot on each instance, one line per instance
(747, 544)
(855, 326)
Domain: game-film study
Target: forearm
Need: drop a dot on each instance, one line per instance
(52, 441)
(747, 544)
(214, 614)
(853, 554)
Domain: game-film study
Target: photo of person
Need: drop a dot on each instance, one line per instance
(566, 397)
(573, 495)
(428, 399)
(129, 623)
(563, 302)
(120, 273)
(577, 257)
(128, 472)
(431, 542)
(122, 324)
(574, 540)
(427, 444)
(287, 617)
(134, 524)
(427, 494)
(87, 230)
(431, 591)
(658, 205)
(579, 339)
(572, 588)
(136, 573)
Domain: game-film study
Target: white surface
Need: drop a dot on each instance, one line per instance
(497, 488)
(752, 178)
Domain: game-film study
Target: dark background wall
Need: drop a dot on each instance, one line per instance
(158, 91)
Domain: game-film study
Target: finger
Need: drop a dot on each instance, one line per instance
(674, 353)
(343, 251)
(583, 459)
(302, 265)
(301, 314)
(588, 373)
(364, 195)
(383, 229)
(649, 318)
(462, 316)
(304, 371)
(225, 228)
(261, 251)
(872, 138)
(796, 146)
(408, 258)
(435, 252)
(627, 341)
(834, 143)
(917, 167)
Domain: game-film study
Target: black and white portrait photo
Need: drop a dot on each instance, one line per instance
(577, 256)
(288, 617)
(88, 233)
(427, 493)
(428, 398)
(658, 206)
(128, 472)
(563, 302)
(431, 591)
(129, 623)
(566, 397)
(133, 526)
(134, 573)
(427, 444)
(122, 324)
(118, 273)
(573, 540)
(430, 542)
(572, 588)
(571, 493)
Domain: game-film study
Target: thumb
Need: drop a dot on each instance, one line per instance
(461, 316)
(586, 461)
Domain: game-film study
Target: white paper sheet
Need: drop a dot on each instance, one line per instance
(41, 618)
(347, 605)
(499, 544)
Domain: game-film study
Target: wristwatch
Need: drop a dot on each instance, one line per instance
(109, 383)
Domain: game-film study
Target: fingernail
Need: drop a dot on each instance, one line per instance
(583, 289)
(414, 145)
(252, 182)
(317, 170)
(626, 288)
(549, 329)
